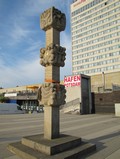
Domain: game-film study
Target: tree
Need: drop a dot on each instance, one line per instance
(3, 99)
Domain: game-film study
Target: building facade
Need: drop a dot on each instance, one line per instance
(24, 96)
(105, 82)
(95, 28)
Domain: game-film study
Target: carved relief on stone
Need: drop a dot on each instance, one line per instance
(53, 55)
(53, 18)
(52, 94)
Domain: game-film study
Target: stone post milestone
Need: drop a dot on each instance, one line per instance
(52, 93)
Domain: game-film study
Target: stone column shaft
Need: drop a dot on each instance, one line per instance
(52, 74)
(51, 122)
(52, 36)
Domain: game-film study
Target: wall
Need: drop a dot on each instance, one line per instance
(72, 93)
(81, 92)
(105, 102)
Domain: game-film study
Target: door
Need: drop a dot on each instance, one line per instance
(85, 96)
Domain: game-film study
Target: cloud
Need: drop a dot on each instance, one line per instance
(32, 7)
(25, 72)
(18, 33)
(36, 7)
(21, 40)
(28, 70)
(34, 47)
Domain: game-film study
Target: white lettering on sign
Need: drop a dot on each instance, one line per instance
(79, 2)
(70, 81)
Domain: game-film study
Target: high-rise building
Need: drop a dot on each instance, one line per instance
(95, 27)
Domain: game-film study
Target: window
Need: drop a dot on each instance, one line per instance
(105, 3)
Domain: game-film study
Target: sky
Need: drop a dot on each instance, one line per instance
(21, 39)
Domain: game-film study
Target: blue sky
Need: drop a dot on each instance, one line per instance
(21, 39)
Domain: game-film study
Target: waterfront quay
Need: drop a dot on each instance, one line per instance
(103, 130)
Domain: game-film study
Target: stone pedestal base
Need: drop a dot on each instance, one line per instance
(64, 147)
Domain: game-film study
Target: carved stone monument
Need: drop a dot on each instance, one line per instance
(51, 144)
(52, 58)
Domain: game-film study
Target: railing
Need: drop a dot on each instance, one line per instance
(73, 102)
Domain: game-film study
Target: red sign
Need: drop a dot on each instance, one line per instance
(70, 81)
(79, 2)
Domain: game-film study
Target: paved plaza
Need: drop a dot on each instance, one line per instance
(103, 130)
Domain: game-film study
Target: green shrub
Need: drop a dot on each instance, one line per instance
(3, 99)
